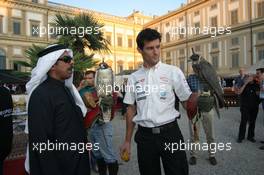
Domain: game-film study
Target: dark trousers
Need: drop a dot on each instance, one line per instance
(151, 147)
(248, 115)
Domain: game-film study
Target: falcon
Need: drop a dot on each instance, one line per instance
(207, 74)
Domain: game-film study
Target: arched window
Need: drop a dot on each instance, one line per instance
(2, 59)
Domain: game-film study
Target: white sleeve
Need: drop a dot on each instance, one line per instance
(180, 85)
(130, 91)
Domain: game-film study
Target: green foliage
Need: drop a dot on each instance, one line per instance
(91, 38)
(82, 44)
(31, 55)
(83, 62)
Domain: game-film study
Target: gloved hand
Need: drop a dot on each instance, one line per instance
(107, 101)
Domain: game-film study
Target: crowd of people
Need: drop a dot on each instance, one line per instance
(60, 113)
(15, 88)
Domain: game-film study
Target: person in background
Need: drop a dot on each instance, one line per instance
(260, 77)
(14, 88)
(6, 125)
(207, 118)
(239, 81)
(99, 132)
(6, 86)
(89, 96)
(260, 74)
(10, 87)
(249, 106)
(223, 82)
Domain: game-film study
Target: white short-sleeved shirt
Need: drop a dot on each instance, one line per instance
(153, 91)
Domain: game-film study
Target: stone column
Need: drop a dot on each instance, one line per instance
(9, 21)
(23, 23)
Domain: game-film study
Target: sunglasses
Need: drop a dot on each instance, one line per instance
(66, 59)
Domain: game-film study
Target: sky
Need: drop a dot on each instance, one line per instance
(125, 7)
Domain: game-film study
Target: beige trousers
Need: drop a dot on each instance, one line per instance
(207, 122)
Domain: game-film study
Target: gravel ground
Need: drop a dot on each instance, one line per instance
(243, 159)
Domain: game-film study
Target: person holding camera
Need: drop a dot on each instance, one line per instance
(249, 106)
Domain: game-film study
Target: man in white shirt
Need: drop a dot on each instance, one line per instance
(152, 88)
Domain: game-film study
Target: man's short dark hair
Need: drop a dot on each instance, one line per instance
(90, 72)
(147, 35)
(260, 69)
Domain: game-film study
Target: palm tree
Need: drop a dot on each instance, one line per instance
(82, 44)
(31, 55)
(91, 39)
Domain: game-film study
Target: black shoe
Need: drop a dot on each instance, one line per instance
(239, 140)
(261, 141)
(212, 160)
(262, 147)
(252, 140)
(112, 168)
(192, 160)
(102, 168)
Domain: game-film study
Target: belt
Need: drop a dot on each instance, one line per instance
(158, 129)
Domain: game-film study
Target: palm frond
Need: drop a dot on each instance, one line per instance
(87, 33)
(83, 62)
(23, 63)
(31, 55)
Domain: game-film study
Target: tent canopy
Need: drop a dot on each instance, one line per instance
(10, 76)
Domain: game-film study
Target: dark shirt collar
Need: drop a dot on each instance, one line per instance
(55, 81)
(89, 88)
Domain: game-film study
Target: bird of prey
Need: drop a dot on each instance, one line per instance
(207, 74)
